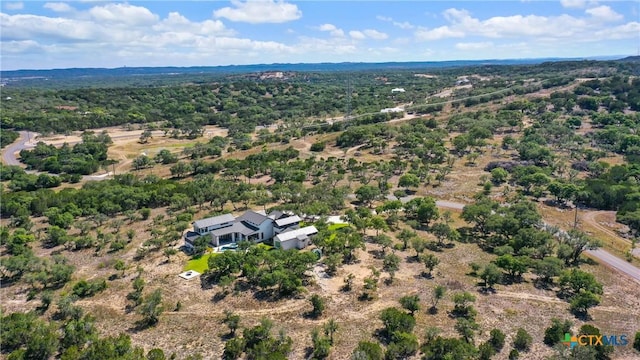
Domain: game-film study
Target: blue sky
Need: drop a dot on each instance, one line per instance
(44, 35)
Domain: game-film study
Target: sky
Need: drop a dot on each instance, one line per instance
(89, 33)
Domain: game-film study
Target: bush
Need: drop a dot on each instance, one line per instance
(318, 146)
(85, 288)
(522, 341)
(636, 341)
(496, 339)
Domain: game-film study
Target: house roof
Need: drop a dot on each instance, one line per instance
(294, 234)
(288, 220)
(253, 217)
(216, 220)
(276, 214)
(237, 227)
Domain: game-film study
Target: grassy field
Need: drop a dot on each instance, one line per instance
(200, 264)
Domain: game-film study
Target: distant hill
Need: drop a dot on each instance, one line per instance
(231, 69)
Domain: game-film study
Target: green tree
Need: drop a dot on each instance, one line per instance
(522, 341)
(636, 341)
(491, 275)
(437, 295)
(418, 244)
(395, 320)
(602, 351)
(463, 305)
(555, 333)
(318, 305)
(499, 175)
(547, 268)
(405, 236)
(391, 264)
(466, 328)
(232, 321)
(367, 351)
(409, 181)
(496, 339)
(430, 261)
(366, 194)
(151, 308)
(583, 301)
(410, 303)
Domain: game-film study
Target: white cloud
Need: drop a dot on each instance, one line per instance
(58, 7)
(626, 31)
(405, 25)
(123, 14)
(259, 11)
(375, 34)
(604, 13)
(474, 45)
(441, 32)
(332, 29)
(14, 5)
(573, 3)
(357, 35)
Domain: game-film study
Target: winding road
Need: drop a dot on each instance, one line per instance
(601, 255)
(23, 142)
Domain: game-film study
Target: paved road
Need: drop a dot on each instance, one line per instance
(9, 153)
(603, 256)
(9, 156)
(615, 262)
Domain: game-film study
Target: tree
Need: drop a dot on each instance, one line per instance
(522, 340)
(409, 181)
(395, 320)
(547, 268)
(418, 244)
(233, 349)
(232, 321)
(583, 301)
(636, 341)
(410, 303)
(155, 354)
(555, 333)
(579, 242)
(430, 261)
(318, 305)
(402, 346)
(391, 264)
(321, 345)
(367, 351)
(575, 281)
(142, 162)
(151, 308)
(466, 328)
(180, 169)
(491, 275)
(437, 295)
(496, 339)
(384, 241)
(515, 266)
(330, 329)
(145, 136)
(448, 348)
(462, 305)
(499, 175)
(366, 194)
(405, 236)
(169, 252)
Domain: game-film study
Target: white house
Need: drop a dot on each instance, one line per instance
(390, 110)
(295, 238)
(252, 225)
(397, 90)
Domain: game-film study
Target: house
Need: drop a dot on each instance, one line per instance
(400, 90)
(253, 226)
(391, 110)
(294, 238)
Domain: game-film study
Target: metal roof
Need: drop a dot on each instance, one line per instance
(294, 234)
(216, 220)
(235, 228)
(288, 220)
(253, 217)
